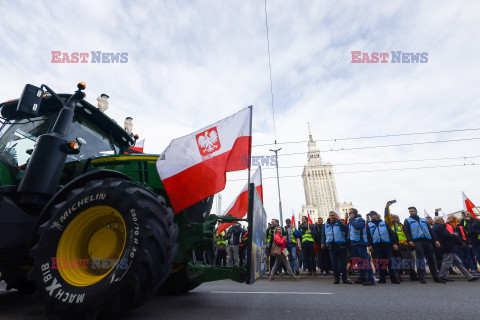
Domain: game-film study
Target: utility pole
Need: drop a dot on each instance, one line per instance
(278, 183)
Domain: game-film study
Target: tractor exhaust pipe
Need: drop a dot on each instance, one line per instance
(44, 169)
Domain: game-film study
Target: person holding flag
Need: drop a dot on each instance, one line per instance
(291, 234)
(471, 225)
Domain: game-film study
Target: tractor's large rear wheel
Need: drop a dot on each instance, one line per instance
(107, 248)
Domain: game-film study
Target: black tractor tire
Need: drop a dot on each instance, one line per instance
(15, 276)
(150, 236)
(177, 282)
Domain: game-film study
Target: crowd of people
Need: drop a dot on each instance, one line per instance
(374, 247)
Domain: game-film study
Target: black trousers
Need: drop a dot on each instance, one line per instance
(338, 256)
(221, 258)
(309, 252)
(424, 250)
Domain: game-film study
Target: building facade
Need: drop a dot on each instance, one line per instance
(319, 184)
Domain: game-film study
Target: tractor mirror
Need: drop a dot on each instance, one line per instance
(30, 100)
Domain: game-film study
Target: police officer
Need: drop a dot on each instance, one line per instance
(291, 234)
(334, 237)
(381, 239)
(420, 236)
(403, 252)
(358, 242)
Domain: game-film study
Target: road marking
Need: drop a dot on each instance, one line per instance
(272, 292)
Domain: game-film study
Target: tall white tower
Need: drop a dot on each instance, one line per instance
(319, 184)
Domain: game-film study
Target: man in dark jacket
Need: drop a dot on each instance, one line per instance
(382, 240)
(323, 256)
(334, 237)
(421, 237)
(233, 234)
(447, 241)
(308, 245)
(358, 244)
(472, 227)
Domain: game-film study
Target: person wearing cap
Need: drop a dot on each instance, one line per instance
(421, 237)
(334, 237)
(448, 240)
(403, 252)
(382, 239)
(358, 243)
(290, 233)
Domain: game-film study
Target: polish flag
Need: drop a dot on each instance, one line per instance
(138, 147)
(194, 167)
(425, 213)
(309, 219)
(468, 205)
(239, 207)
(293, 221)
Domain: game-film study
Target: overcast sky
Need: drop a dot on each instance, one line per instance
(191, 63)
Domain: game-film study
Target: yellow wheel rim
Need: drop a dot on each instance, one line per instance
(91, 246)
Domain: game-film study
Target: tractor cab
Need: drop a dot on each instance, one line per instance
(92, 134)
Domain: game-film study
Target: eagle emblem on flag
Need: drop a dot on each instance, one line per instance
(208, 141)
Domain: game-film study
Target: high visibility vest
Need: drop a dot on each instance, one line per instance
(419, 230)
(450, 228)
(220, 238)
(465, 224)
(380, 233)
(356, 234)
(269, 235)
(307, 236)
(245, 236)
(464, 237)
(401, 235)
(334, 234)
(292, 237)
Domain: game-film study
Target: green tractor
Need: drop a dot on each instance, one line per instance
(85, 224)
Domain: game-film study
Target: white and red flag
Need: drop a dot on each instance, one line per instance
(194, 167)
(309, 219)
(138, 146)
(425, 213)
(293, 220)
(239, 207)
(468, 205)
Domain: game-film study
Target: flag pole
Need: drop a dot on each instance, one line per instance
(249, 196)
(250, 149)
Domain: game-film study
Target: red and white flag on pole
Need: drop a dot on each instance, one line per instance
(425, 213)
(194, 167)
(238, 208)
(468, 205)
(293, 220)
(309, 219)
(138, 147)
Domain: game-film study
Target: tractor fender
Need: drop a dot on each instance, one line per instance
(78, 182)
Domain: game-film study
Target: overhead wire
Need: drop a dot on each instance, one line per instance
(372, 137)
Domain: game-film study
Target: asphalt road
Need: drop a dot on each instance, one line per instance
(283, 299)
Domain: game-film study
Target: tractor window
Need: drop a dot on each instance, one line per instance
(99, 143)
(17, 140)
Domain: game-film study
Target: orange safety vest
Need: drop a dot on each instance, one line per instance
(450, 228)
